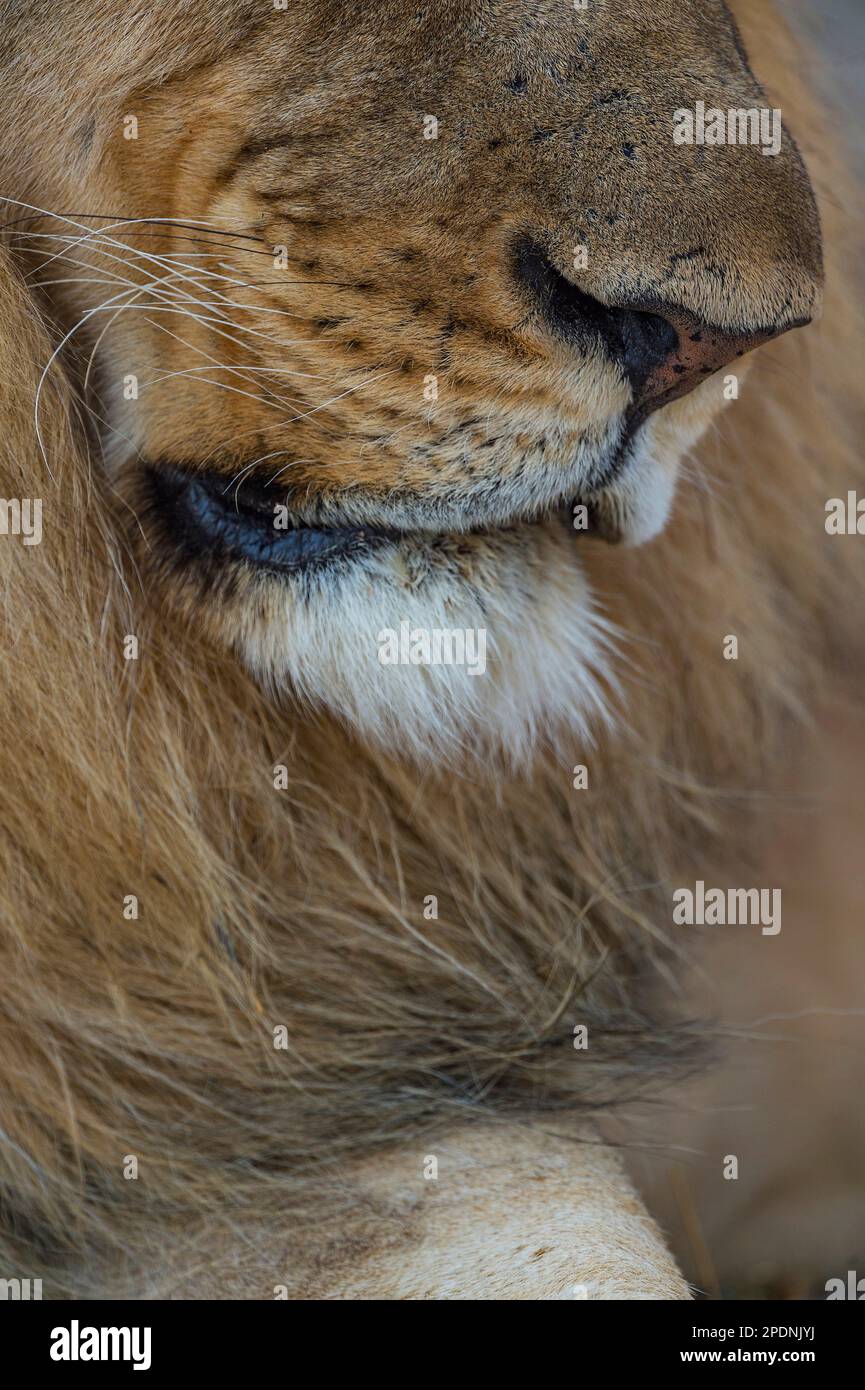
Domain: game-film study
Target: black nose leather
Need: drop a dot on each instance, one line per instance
(663, 350)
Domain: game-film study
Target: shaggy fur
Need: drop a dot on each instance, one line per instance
(303, 906)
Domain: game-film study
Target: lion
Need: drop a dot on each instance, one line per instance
(326, 328)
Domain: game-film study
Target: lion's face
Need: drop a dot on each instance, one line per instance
(409, 285)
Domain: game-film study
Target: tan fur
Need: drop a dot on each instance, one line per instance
(303, 907)
(513, 1212)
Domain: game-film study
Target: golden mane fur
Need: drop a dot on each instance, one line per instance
(302, 907)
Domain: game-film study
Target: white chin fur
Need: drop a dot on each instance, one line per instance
(637, 507)
(541, 670)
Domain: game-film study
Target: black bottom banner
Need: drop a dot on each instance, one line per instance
(163, 1339)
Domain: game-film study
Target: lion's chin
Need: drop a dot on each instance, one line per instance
(636, 505)
(472, 648)
(636, 508)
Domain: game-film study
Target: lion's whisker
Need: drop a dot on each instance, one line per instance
(229, 367)
(278, 400)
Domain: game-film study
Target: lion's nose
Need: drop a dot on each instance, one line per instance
(663, 350)
(693, 350)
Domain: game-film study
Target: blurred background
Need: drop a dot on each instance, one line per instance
(834, 30)
(788, 1099)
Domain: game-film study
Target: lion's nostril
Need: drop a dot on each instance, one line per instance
(638, 341)
(663, 350)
